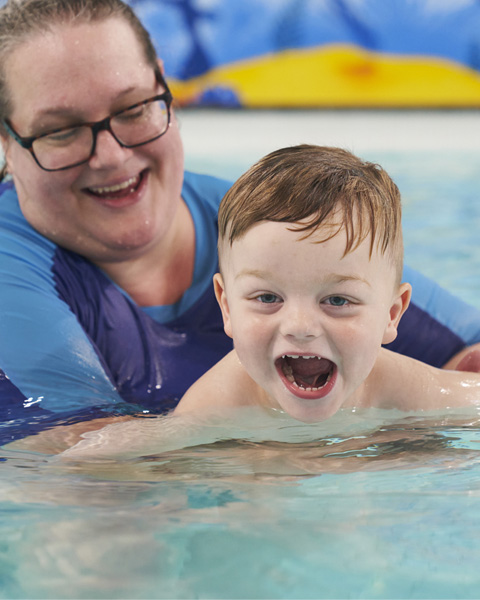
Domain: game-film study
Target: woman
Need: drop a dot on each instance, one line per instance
(107, 248)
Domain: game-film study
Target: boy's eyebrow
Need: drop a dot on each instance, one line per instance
(343, 278)
(333, 278)
(253, 273)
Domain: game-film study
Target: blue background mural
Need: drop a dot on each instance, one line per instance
(196, 35)
(308, 53)
(212, 47)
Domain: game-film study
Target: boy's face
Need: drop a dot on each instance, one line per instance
(307, 322)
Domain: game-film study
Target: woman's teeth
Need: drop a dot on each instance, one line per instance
(119, 187)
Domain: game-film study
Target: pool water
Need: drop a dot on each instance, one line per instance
(371, 504)
(390, 509)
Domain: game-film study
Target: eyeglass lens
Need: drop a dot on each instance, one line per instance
(139, 125)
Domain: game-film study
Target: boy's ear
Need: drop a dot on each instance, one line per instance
(219, 287)
(399, 306)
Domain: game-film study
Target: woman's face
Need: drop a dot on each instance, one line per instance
(124, 201)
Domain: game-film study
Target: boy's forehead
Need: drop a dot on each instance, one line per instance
(268, 239)
(273, 252)
(278, 231)
(282, 239)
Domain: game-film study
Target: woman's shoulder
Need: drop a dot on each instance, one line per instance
(9, 198)
(18, 238)
(205, 189)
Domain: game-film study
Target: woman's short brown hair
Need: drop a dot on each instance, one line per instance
(21, 19)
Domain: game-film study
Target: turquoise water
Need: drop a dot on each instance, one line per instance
(441, 216)
(390, 511)
(370, 505)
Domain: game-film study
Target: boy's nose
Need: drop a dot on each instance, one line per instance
(301, 323)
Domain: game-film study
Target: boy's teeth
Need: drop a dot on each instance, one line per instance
(312, 377)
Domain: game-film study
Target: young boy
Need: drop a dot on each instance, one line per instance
(311, 253)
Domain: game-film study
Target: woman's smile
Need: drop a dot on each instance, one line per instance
(121, 194)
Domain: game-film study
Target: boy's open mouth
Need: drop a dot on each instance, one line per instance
(307, 376)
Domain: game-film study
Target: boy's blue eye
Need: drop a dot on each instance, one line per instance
(337, 301)
(268, 298)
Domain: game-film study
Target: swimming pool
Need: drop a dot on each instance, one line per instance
(377, 506)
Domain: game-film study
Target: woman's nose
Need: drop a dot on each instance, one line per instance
(108, 152)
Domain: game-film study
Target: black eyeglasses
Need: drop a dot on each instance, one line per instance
(68, 147)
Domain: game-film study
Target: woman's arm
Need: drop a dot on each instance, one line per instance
(43, 348)
(437, 325)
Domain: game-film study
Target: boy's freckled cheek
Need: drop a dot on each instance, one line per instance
(249, 331)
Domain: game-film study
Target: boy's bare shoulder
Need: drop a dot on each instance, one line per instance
(226, 384)
(408, 384)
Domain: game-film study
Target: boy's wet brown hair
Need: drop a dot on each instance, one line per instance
(314, 186)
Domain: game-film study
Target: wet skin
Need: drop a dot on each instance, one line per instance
(287, 301)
